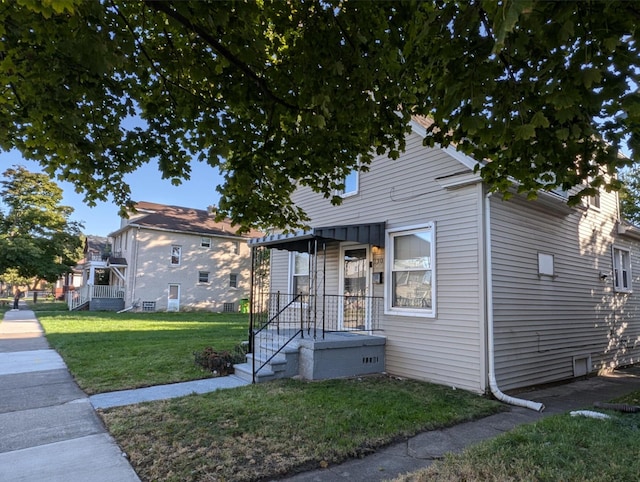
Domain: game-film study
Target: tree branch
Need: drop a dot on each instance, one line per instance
(166, 8)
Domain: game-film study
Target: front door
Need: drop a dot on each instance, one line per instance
(355, 282)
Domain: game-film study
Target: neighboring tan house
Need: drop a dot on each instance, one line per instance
(460, 287)
(171, 258)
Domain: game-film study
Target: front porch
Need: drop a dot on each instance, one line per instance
(328, 324)
(96, 298)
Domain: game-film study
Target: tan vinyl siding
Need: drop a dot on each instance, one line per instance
(449, 348)
(543, 322)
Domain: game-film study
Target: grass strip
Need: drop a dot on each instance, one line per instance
(277, 428)
(560, 447)
(109, 351)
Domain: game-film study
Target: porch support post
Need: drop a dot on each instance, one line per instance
(324, 285)
(315, 288)
(251, 298)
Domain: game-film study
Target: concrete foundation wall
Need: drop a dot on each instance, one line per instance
(106, 304)
(344, 355)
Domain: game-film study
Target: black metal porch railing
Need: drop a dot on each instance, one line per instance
(267, 341)
(281, 317)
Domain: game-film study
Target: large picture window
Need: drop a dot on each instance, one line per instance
(621, 269)
(299, 273)
(410, 289)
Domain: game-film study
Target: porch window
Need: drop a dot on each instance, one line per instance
(176, 254)
(621, 270)
(410, 289)
(203, 276)
(299, 273)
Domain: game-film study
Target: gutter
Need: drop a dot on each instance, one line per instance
(493, 385)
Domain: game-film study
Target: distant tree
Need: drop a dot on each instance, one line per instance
(37, 239)
(630, 194)
(278, 94)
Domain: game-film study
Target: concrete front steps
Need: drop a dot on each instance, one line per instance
(332, 355)
(282, 365)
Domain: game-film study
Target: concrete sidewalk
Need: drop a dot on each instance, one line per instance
(48, 429)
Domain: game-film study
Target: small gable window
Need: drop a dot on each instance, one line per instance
(351, 181)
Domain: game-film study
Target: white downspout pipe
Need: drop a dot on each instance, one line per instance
(493, 385)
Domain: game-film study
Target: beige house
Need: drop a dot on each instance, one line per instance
(466, 289)
(172, 258)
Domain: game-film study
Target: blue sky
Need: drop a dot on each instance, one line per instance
(146, 185)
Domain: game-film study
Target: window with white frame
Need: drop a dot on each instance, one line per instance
(621, 269)
(593, 201)
(236, 247)
(176, 254)
(299, 273)
(205, 242)
(233, 280)
(350, 184)
(203, 276)
(410, 289)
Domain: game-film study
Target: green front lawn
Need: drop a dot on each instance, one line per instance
(267, 430)
(109, 351)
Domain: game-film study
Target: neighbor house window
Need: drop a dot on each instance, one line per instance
(203, 276)
(236, 247)
(410, 289)
(350, 184)
(299, 273)
(205, 242)
(176, 253)
(233, 280)
(621, 269)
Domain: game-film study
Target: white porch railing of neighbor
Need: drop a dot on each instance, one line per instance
(86, 293)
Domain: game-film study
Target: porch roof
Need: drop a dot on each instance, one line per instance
(370, 233)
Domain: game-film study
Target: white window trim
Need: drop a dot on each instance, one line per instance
(291, 272)
(396, 311)
(179, 255)
(208, 273)
(621, 289)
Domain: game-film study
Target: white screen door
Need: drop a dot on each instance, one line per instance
(355, 277)
(173, 303)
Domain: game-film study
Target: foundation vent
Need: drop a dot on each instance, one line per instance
(581, 365)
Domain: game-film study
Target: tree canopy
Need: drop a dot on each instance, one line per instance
(284, 93)
(37, 240)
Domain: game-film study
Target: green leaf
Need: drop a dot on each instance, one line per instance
(524, 132)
